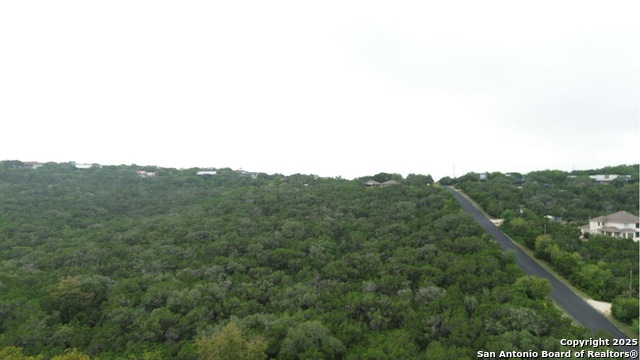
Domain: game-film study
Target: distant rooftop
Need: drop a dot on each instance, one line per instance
(608, 177)
(621, 217)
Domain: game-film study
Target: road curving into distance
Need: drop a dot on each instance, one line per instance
(564, 297)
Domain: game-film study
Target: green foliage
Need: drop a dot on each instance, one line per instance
(567, 264)
(419, 180)
(117, 266)
(311, 340)
(596, 278)
(230, 344)
(382, 177)
(447, 181)
(394, 344)
(533, 287)
(600, 265)
(15, 353)
(625, 309)
(71, 354)
(70, 300)
(553, 192)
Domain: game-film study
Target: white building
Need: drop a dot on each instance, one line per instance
(608, 178)
(32, 164)
(143, 173)
(253, 175)
(620, 225)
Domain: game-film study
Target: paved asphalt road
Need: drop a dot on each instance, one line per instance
(561, 294)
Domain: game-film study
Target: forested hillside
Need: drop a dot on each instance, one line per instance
(104, 263)
(544, 210)
(572, 196)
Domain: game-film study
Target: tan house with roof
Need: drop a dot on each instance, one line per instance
(372, 183)
(620, 225)
(32, 164)
(382, 184)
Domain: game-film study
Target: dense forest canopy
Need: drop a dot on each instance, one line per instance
(572, 196)
(104, 263)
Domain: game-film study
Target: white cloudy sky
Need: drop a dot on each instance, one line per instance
(346, 88)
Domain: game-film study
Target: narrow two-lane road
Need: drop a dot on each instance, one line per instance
(573, 304)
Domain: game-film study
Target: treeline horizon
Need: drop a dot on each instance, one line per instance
(445, 180)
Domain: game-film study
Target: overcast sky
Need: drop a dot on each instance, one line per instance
(333, 88)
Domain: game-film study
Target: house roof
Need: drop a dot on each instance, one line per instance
(372, 182)
(390, 182)
(609, 229)
(608, 177)
(621, 217)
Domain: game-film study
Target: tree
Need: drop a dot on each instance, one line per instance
(418, 180)
(625, 309)
(596, 279)
(71, 354)
(394, 344)
(566, 263)
(533, 287)
(543, 247)
(311, 340)
(15, 353)
(230, 344)
(447, 181)
(70, 299)
(382, 177)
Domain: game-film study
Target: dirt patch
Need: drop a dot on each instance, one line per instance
(601, 306)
